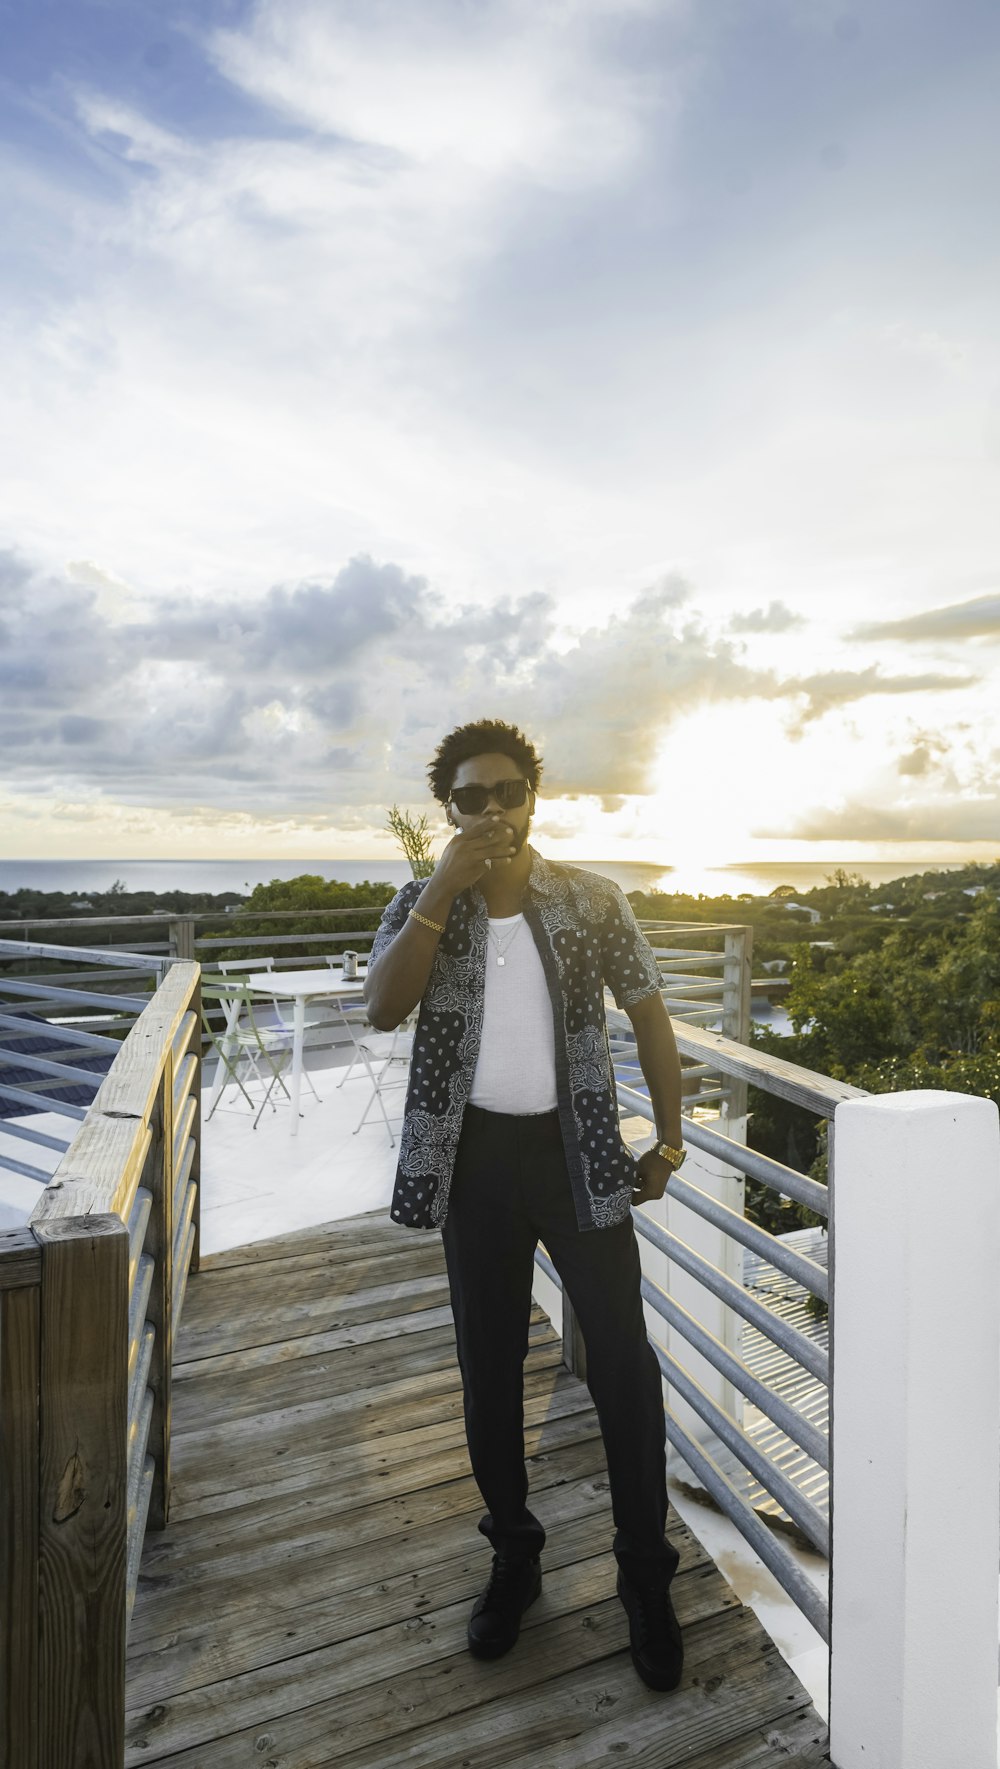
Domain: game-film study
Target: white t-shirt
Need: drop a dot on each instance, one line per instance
(516, 1071)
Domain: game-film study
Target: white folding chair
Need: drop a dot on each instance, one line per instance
(269, 1019)
(354, 1015)
(242, 1040)
(386, 1057)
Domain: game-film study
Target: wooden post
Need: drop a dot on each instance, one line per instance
(574, 1349)
(20, 1273)
(160, 1243)
(182, 936)
(82, 1492)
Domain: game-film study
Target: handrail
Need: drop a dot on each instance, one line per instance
(736, 1062)
(90, 1296)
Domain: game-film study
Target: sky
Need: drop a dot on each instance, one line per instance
(627, 369)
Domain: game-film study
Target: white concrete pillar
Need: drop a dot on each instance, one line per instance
(915, 1258)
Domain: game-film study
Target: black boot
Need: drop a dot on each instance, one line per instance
(654, 1633)
(495, 1621)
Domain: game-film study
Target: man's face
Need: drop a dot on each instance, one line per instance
(487, 770)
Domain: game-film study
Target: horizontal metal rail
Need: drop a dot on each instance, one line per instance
(805, 1351)
(772, 1551)
(329, 937)
(815, 1443)
(73, 998)
(787, 1181)
(22, 1168)
(64, 1072)
(9, 1128)
(805, 1271)
(31, 1098)
(761, 1537)
(108, 956)
(800, 1509)
(784, 1180)
(67, 1035)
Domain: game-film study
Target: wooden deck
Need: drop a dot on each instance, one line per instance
(307, 1603)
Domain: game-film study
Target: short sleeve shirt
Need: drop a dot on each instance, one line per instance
(588, 939)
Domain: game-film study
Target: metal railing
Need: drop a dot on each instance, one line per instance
(59, 1034)
(671, 1252)
(91, 1292)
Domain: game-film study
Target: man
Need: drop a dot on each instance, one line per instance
(511, 1136)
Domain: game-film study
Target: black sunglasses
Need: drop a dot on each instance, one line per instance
(509, 794)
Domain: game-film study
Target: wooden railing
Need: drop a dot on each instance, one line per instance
(90, 1296)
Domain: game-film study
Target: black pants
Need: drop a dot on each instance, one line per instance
(510, 1190)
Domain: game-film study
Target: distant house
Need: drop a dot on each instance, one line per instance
(813, 914)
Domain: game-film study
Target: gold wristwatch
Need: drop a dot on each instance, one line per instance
(676, 1157)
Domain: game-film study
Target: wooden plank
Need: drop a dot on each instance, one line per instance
(795, 1741)
(261, 1632)
(603, 1712)
(325, 1544)
(557, 1406)
(332, 1422)
(349, 1370)
(286, 1320)
(20, 1357)
(285, 1351)
(336, 1589)
(344, 1269)
(384, 1686)
(20, 1259)
(363, 1659)
(370, 1225)
(321, 1278)
(82, 1483)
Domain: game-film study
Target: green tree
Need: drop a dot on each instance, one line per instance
(349, 910)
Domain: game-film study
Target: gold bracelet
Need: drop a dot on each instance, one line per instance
(425, 920)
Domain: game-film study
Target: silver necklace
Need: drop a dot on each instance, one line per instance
(501, 951)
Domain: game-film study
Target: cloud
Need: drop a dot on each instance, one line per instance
(978, 619)
(776, 618)
(337, 689)
(934, 820)
(530, 91)
(831, 689)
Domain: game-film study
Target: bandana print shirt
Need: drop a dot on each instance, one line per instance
(586, 937)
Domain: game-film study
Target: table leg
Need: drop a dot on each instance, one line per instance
(298, 1038)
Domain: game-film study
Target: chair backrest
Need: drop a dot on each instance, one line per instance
(229, 994)
(243, 966)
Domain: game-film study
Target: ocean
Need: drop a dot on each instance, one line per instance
(83, 876)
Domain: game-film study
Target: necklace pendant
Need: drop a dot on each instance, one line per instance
(501, 961)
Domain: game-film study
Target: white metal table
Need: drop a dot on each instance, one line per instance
(298, 987)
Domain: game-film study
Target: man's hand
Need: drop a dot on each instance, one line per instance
(467, 857)
(652, 1173)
